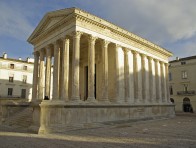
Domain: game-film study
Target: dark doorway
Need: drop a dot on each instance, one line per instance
(86, 82)
(187, 107)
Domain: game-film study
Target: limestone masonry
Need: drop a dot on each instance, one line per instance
(182, 83)
(101, 73)
(16, 77)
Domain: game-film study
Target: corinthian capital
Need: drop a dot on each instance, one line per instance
(91, 39)
(76, 34)
(105, 43)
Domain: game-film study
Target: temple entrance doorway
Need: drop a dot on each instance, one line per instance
(86, 82)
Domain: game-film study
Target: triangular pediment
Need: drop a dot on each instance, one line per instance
(52, 21)
(49, 21)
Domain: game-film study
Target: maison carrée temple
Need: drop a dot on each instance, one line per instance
(88, 71)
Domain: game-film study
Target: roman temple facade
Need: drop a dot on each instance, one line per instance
(101, 73)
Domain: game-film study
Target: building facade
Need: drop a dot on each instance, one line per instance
(16, 78)
(182, 83)
(101, 72)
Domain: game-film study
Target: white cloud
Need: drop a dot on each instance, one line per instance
(161, 21)
(13, 22)
(168, 23)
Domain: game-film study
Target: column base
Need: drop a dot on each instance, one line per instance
(104, 100)
(75, 98)
(91, 100)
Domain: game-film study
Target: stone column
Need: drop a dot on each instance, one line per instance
(129, 79)
(75, 96)
(104, 88)
(158, 81)
(48, 72)
(126, 77)
(91, 68)
(153, 87)
(161, 83)
(56, 69)
(41, 76)
(164, 83)
(119, 62)
(138, 77)
(145, 79)
(65, 70)
(150, 78)
(167, 83)
(35, 76)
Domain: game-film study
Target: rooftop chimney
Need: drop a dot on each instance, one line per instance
(28, 59)
(177, 58)
(5, 55)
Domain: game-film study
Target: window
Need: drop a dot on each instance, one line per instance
(11, 66)
(24, 79)
(11, 79)
(10, 91)
(24, 67)
(185, 87)
(171, 90)
(183, 63)
(170, 76)
(184, 75)
(23, 93)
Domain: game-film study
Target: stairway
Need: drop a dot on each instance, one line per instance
(21, 118)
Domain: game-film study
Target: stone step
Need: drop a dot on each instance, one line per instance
(22, 118)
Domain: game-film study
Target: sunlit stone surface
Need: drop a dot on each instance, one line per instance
(100, 73)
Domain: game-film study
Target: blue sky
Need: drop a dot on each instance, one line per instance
(169, 23)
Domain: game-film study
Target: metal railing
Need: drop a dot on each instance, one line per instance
(186, 93)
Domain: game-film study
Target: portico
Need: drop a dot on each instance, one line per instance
(95, 71)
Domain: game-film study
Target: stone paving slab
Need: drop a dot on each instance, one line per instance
(179, 132)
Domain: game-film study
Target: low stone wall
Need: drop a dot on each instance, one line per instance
(60, 117)
(8, 108)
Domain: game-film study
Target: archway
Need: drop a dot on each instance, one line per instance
(187, 105)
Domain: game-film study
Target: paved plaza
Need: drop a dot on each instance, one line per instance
(179, 132)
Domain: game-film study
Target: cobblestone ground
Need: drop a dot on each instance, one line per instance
(179, 132)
